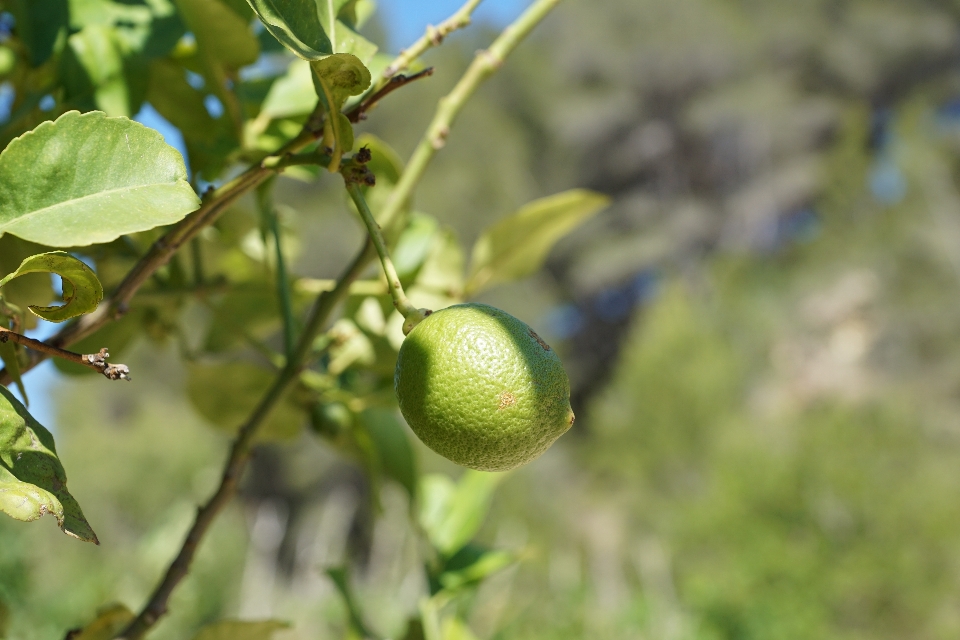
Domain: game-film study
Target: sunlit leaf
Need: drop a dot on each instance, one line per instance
(241, 630)
(101, 59)
(226, 394)
(82, 291)
(87, 178)
(111, 620)
(296, 24)
(32, 480)
(414, 245)
(453, 517)
(518, 245)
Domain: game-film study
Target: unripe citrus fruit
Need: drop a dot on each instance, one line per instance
(480, 388)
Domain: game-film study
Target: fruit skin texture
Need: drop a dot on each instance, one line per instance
(481, 388)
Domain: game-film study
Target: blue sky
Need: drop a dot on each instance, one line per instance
(405, 20)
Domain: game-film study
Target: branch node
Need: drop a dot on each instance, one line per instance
(117, 372)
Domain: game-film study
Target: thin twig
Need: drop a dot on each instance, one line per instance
(284, 297)
(96, 361)
(484, 64)
(394, 83)
(236, 462)
(411, 314)
(432, 38)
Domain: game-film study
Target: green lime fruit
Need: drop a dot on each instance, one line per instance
(481, 388)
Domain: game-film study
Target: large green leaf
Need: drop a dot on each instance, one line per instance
(87, 178)
(220, 32)
(517, 246)
(32, 480)
(82, 291)
(241, 630)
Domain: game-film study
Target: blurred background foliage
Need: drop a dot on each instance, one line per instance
(762, 332)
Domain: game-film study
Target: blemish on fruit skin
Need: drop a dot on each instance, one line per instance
(506, 399)
(533, 334)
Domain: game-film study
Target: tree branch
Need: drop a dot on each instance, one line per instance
(394, 83)
(96, 361)
(236, 462)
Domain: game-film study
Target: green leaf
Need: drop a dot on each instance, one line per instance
(8, 355)
(296, 24)
(241, 630)
(452, 515)
(385, 162)
(355, 13)
(182, 105)
(517, 246)
(111, 620)
(87, 178)
(456, 629)
(220, 32)
(292, 94)
(341, 580)
(414, 245)
(101, 60)
(340, 76)
(392, 447)
(479, 565)
(82, 291)
(39, 25)
(336, 78)
(226, 394)
(32, 480)
(28, 289)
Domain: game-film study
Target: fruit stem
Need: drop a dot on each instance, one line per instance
(411, 314)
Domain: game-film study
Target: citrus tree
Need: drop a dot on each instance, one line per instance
(260, 90)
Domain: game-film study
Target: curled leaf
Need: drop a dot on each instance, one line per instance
(82, 291)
